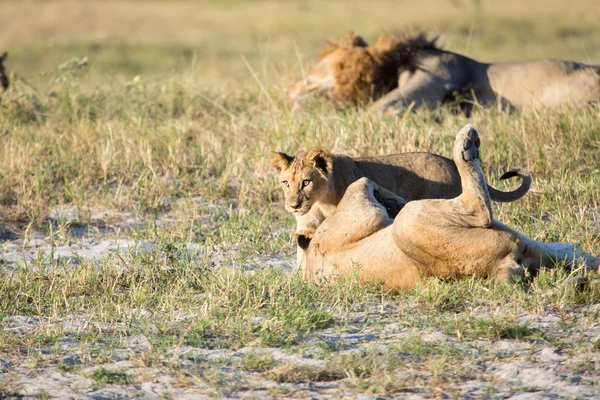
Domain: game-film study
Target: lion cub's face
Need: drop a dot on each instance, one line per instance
(303, 178)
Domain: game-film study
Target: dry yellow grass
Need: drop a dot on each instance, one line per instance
(181, 98)
(208, 38)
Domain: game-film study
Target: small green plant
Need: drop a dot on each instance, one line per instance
(584, 368)
(44, 395)
(282, 390)
(492, 328)
(103, 376)
(10, 388)
(294, 373)
(258, 362)
(64, 367)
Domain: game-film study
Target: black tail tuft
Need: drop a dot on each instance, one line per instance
(522, 172)
(509, 174)
(506, 197)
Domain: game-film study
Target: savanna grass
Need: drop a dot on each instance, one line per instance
(136, 146)
(177, 121)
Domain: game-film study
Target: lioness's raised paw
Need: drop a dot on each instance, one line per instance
(470, 143)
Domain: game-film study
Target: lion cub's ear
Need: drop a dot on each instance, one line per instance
(3, 57)
(320, 158)
(351, 39)
(279, 161)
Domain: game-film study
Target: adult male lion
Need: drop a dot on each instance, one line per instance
(314, 182)
(397, 73)
(3, 78)
(442, 238)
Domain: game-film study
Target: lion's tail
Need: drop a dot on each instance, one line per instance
(506, 197)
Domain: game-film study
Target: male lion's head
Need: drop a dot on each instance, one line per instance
(303, 178)
(352, 71)
(3, 77)
(347, 71)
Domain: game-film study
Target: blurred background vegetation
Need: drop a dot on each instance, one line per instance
(121, 104)
(208, 40)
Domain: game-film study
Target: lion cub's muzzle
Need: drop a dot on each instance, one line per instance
(298, 210)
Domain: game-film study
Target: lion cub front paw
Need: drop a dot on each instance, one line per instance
(303, 237)
(307, 233)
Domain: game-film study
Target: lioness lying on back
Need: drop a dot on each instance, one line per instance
(314, 182)
(445, 238)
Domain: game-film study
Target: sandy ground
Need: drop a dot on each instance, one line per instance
(65, 369)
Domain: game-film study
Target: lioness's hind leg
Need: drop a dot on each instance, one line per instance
(475, 199)
(548, 254)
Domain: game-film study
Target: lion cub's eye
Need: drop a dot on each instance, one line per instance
(305, 183)
(285, 184)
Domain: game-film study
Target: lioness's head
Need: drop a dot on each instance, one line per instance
(303, 178)
(3, 77)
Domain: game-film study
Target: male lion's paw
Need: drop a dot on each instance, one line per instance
(471, 145)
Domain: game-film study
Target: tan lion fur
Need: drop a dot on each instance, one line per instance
(436, 237)
(412, 176)
(360, 72)
(397, 72)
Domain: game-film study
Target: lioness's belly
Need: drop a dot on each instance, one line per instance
(398, 262)
(374, 259)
